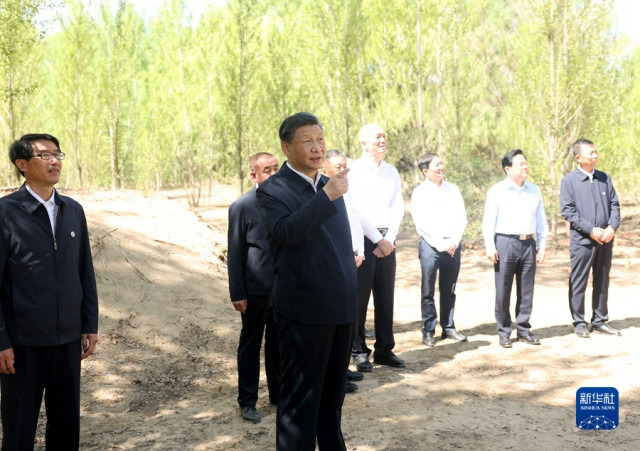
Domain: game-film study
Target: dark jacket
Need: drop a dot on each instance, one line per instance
(48, 294)
(587, 205)
(314, 267)
(248, 258)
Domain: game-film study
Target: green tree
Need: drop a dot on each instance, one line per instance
(68, 102)
(19, 38)
(562, 79)
(119, 84)
(238, 79)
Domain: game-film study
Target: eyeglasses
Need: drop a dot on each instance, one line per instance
(48, 155)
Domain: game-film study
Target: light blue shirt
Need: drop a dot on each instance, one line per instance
(514, 210)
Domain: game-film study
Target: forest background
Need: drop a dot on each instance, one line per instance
(147, 102)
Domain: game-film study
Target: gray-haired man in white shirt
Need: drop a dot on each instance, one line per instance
(377, 193)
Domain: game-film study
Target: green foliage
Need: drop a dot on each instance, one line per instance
(174, 99)
(18, 38)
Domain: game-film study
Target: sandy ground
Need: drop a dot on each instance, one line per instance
(164, 373)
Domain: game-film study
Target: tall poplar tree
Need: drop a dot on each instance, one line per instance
(562, 79)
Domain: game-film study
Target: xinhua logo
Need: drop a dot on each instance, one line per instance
(597, 408)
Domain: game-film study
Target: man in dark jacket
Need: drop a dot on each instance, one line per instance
(314, 293)
(48, 300)
(590, 204)
(250, 281)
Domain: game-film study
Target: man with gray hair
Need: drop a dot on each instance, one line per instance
(377, 194)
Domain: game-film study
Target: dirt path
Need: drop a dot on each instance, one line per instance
(164, 374)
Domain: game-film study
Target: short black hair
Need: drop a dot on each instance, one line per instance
(577, 146)
(425, 160)
(292, 123)
(507, 160)
(22, 149)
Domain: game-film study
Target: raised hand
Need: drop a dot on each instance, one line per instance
(337, 185)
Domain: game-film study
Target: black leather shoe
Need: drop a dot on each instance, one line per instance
(354, 376)
(250, 414)
(362, 363)
(505, 342)
(428, 339)
(350, 387)
(529, 339)
(454, 335)
(389, 360)
(581, 331)
(605, 329)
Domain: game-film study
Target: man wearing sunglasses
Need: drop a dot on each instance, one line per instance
(48, 300)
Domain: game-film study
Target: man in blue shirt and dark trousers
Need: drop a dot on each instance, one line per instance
(590, 204)
(515, 234)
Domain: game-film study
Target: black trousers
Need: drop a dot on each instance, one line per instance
(516, 259)
(584, 259)
(257, 317)
(433, 264)
(54, 370)
(377, 275)
(314, 360)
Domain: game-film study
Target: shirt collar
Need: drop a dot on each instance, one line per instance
(431, 185)
(588, 174)
(313, 182)
(51, 201)
(512, 185)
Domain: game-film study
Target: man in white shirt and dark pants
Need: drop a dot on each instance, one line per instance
(513, 216)
(438, 212)
(375, 188)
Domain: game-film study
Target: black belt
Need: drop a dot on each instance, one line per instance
(383, 230)
(517, 237)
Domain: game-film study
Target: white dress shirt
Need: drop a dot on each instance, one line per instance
(357, 235)
(438, 213)
(377, 194)
(50, 205)
(312, 182)
(514, 210)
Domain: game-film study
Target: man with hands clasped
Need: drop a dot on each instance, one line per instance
(377, 193)
(590, 204)
(438, 212)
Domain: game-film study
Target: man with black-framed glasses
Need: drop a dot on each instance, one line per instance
(48, 300)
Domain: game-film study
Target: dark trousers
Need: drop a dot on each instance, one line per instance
(586, 258)
(54, 370)
(516, 258)
(257, 317)
(314, 360)
(434, 263)
(377, 275)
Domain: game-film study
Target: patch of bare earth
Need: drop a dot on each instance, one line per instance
(164, 373)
